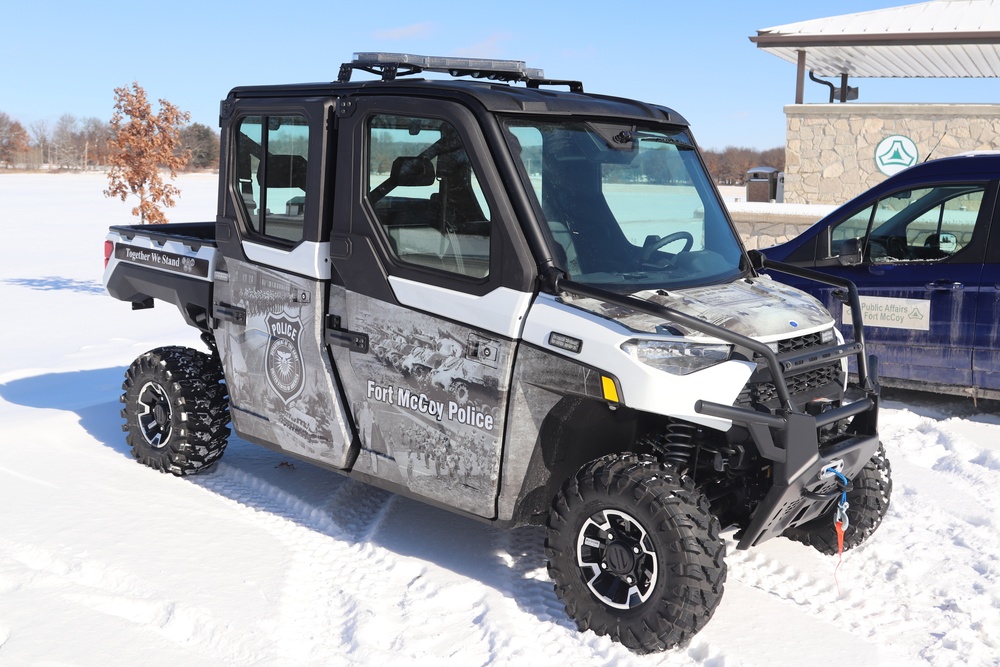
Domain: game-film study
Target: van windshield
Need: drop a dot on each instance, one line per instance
(627, 208)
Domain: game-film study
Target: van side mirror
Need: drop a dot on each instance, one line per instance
(850, 252)
(757, 259)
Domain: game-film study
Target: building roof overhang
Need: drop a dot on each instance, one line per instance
(943, 38)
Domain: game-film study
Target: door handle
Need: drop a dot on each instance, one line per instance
(336, 335)
(944, 286)
(233, 314)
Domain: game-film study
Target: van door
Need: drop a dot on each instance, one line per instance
(919, 279)
(270, 291)
(986, 356)
(435, 286)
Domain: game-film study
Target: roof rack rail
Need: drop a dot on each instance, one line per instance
(392, 65)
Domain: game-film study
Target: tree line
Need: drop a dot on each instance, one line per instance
(82, 143)
(134, 149)
(730, 165)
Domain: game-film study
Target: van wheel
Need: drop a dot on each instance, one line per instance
(867, 502)
(635, 553)
(176, 410)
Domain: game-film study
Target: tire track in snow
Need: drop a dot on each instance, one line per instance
(107, 589)
(333, 603)
(319, 598)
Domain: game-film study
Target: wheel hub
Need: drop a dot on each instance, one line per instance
(617, 559)
(154, 414)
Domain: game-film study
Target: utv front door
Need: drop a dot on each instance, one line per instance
(435, 287)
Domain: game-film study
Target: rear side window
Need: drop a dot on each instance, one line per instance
(272, 159)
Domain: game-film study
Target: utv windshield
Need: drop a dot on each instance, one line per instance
(627, 208)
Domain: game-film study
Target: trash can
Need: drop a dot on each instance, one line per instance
(762, 184)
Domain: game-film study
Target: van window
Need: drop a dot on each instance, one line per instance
(921, 224)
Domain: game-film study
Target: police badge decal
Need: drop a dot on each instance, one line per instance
(285, 372)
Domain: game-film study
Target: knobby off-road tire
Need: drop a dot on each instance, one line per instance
(635, 553)
(868, 502)
(176, 410)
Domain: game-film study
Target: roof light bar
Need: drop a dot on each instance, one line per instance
(389, 66)
(449, 64)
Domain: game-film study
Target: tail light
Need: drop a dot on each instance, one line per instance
(109, 247)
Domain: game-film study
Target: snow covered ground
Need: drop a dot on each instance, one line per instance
(270, 561)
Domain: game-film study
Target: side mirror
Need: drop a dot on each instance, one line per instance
(946, 242)
(850, 252)
(757, 259)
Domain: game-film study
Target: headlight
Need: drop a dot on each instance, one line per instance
(677, 358)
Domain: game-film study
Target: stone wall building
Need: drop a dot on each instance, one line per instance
(832, 153)
(836, 151)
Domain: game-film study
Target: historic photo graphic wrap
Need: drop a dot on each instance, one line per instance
(281, 382)
(428, 400)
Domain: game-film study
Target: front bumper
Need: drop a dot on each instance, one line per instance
(800, 452)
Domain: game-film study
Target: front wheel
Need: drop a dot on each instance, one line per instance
(635, 553)
(176, 410)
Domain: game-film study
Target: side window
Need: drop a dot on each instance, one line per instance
(426, 196)
(854, 227)
(922, 224)
(272, 156)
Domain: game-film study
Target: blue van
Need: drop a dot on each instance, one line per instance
(921, 249)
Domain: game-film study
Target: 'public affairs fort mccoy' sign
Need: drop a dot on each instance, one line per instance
(893, 313)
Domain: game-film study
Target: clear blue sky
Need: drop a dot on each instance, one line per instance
(61, 57)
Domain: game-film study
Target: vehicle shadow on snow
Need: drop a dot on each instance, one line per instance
(50, 283)
(92, 395)
(511, 562)
(942, 406)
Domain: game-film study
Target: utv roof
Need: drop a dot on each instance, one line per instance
(496, 93)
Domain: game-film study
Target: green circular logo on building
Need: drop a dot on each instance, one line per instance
(894, 154)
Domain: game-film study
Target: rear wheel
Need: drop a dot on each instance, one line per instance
(867, 502)
(176, 410)
(635, 553)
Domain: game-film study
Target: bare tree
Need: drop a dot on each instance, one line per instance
(730, 166)
(202, 142)
(64, 140)
(42, 142)
(13, 140)
(142, 142)
(94, 135)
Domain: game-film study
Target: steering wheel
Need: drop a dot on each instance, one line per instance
(647, 251)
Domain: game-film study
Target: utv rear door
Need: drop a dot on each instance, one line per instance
(270, 291)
